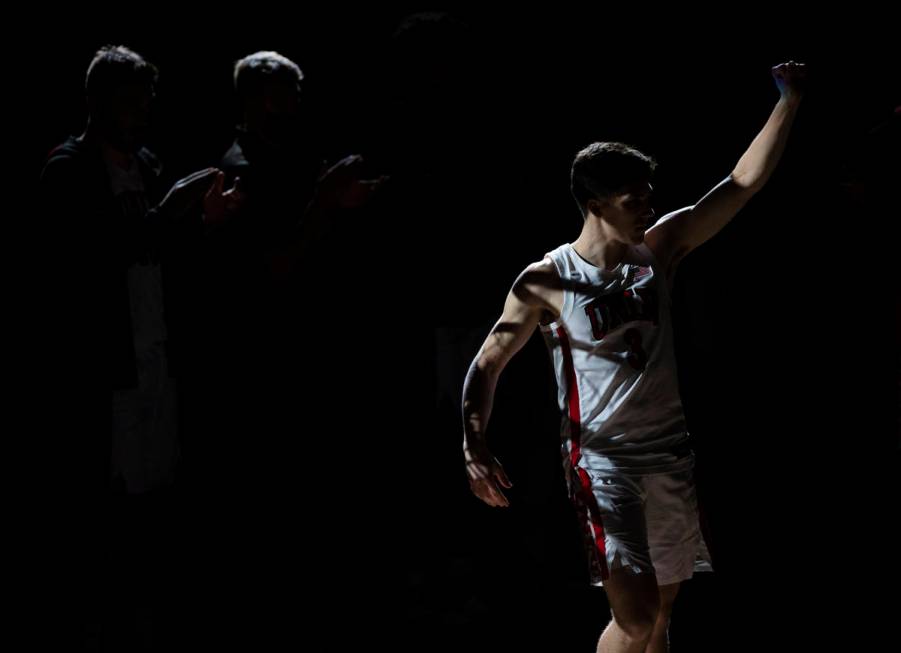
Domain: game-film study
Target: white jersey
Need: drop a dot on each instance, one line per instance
(613, 356)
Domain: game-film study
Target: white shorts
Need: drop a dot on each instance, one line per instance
(645, 524)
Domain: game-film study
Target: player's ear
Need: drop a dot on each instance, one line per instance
(594, 206)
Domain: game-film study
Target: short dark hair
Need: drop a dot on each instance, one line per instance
(254, 70)
(114, 66)
(605, 168)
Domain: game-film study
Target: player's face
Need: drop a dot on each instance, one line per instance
(632, 212)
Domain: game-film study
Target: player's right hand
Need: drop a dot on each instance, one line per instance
(486, 477)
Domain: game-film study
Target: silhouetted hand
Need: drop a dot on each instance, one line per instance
(220, 205)
(340, 186)
(186, 192)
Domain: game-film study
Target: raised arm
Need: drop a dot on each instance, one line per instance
(679, 232)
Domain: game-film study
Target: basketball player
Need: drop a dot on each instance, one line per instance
(602, 303)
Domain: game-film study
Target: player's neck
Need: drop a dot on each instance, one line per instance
(599, 250)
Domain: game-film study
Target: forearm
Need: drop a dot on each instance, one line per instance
(760, 159)
(478, 397)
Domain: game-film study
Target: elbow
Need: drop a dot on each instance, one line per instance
(746, 184)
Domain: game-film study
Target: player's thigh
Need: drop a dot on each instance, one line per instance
(634, 598)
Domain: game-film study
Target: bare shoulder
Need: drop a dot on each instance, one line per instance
(539, 285)
(661, 239)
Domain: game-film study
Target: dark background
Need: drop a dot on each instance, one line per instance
(786, 328)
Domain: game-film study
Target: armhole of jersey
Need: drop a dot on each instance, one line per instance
(566, 309)
(660, 272)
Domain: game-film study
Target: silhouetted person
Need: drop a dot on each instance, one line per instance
(113, 231)
(256, 293)
(268, 356)
(101, 191)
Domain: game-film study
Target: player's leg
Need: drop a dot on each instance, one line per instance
(631, 583)
(659, 642)
(634, 602)
(674, 538)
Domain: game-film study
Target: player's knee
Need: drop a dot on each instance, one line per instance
(667, 598)
(638, 623)
(666, 608)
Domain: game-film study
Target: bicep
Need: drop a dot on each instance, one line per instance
(685, 229)
(715, 210)
(510, 332)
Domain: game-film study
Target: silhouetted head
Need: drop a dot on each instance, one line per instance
(269, 89)
(119, 87)
(612, 182)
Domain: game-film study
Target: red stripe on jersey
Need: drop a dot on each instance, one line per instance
(575, 420)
